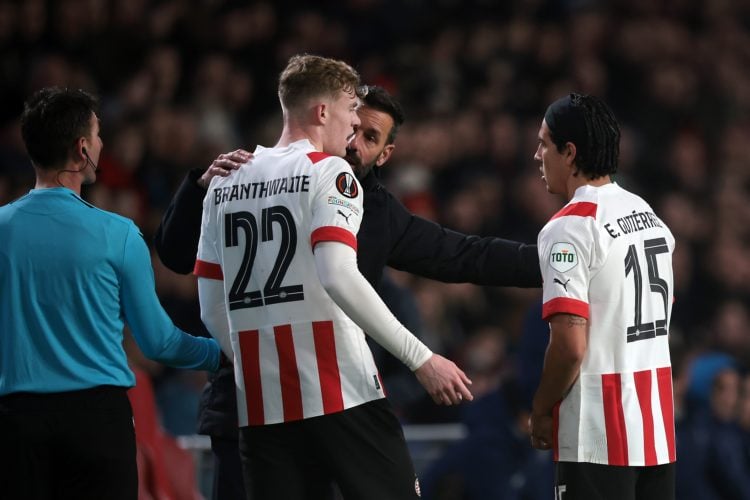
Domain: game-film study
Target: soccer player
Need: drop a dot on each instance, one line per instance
(71, 275)
(389, 235)
(277, 268)
(604, 404)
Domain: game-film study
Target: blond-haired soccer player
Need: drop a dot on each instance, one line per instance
(277, 269)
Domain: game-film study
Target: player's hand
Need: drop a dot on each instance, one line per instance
(223, 165)
(445, 382)
(540, 427)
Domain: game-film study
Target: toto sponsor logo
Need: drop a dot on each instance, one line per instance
(563, 257)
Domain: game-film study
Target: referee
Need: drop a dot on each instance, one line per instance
(71, 276)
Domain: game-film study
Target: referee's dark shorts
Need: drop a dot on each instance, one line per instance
(361, 449)
(587, 481)
(68, 445)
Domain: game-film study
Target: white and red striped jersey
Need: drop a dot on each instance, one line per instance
(297, 355)
(607, 257)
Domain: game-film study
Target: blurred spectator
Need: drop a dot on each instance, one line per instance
(712, 463)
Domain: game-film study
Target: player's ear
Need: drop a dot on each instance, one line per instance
(320, 113)
(570, 153)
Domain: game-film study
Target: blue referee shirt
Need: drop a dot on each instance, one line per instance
(71, 275)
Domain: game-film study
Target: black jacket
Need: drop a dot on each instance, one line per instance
(389, 235)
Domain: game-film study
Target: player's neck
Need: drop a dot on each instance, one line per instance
(293, 133)
(576, 181)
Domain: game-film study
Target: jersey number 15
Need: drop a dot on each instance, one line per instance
(643, 330)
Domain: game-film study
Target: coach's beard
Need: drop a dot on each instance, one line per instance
(360, 170)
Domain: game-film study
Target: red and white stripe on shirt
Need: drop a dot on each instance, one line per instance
(627, 419)
(328, 395)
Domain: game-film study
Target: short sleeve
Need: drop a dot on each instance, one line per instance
(336, 204)
(566, 246)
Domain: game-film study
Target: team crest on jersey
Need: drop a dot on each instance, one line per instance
(417, 489)
(347, 185)
(563, 257)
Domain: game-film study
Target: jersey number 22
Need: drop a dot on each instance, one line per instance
(273, 292)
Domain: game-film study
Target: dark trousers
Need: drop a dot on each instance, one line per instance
(361, 449)
(70, 445)
(585, 481)
(228, 482)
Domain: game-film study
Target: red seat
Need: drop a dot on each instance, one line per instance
(165, 471)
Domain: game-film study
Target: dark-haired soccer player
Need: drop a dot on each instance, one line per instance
(604, 403)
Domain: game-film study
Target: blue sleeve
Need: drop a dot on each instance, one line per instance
(153, 330)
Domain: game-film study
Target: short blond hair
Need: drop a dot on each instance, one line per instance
(308, 76)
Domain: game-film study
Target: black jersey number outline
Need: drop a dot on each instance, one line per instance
(273, 291)
(641, 330)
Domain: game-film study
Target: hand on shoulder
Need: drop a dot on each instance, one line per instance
(223, 165)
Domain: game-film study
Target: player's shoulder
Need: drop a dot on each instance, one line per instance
(576, 219)
(585, 203)
(331, 168)
(568, 227)
(301, 153)
(617, 202)
(324, 161)
(583, 207)
(592, 203)
(318, 156)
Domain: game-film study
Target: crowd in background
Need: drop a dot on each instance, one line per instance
(181, 81)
